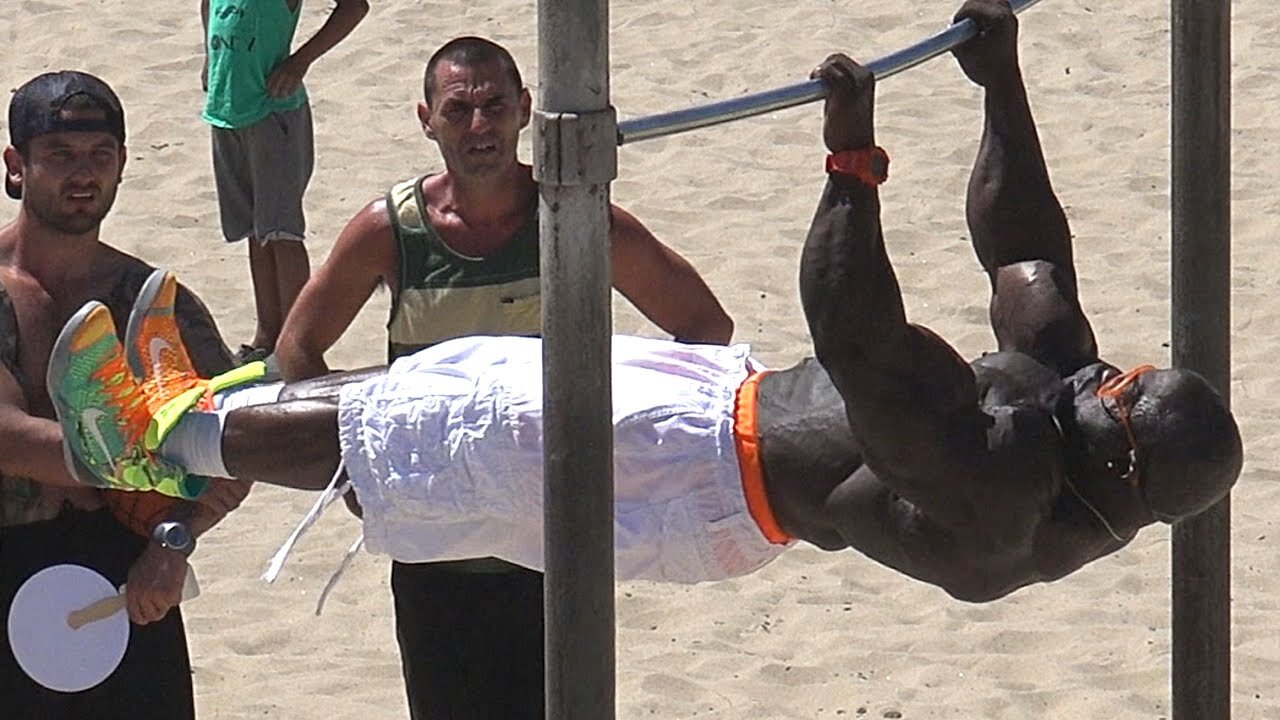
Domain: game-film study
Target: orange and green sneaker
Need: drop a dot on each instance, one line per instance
(160, 363)
(103, 412)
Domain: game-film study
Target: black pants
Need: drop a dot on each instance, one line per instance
(470, 641)
(154, 678)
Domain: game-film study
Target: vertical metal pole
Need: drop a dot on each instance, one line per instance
(575, 158)
(1201, 264)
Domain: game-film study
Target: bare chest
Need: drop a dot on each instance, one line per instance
(474, 240)
(38, 318)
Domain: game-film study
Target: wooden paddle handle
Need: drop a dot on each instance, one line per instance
(108, 606)
(100, 610)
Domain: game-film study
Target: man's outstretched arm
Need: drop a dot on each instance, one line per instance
(663, 285)
(364, 255)
(911, 401)
(1019, 230)
(1011, 208)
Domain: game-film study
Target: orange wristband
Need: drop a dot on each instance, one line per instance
(869, 165)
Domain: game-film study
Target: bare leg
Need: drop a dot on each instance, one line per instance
(292, 444)
(327, 387)
(266, 294)
(292, 269)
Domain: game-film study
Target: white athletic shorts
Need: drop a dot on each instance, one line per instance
(445, 454)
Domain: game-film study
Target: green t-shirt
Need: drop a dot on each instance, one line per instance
(247, 39)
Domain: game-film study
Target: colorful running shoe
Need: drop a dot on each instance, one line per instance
(159, 361)
(152, 343)
(102, 410)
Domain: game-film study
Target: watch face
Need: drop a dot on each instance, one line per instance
(179, 536)
(175, 536)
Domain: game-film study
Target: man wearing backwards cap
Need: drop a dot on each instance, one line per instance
(979, 478)
(64, 161)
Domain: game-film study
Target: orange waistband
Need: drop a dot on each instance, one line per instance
(751, 465)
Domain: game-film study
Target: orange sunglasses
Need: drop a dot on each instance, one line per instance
(1114, 389)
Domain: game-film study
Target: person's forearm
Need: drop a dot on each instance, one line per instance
(344, 18)
(297, 363)
(1012, 210)
(712, 327)
(142, 511)
(1010, 131)
(198, 518)
(848, 289)
(31, 447)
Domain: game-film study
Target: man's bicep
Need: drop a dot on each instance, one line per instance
(1035, 310)
(911, 371)
(364, 256)
(913, 408)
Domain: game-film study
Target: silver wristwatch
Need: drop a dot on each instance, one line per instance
(174, 535)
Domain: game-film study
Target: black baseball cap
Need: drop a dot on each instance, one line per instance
(39, 108)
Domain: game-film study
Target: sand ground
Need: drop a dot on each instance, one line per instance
(814, 635)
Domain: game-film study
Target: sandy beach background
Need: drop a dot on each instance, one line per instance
(815, 635)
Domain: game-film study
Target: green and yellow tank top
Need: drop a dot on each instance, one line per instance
(444, 294)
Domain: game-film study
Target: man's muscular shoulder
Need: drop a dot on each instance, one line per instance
(1013, 378)
(117, 279)
(1022, 397)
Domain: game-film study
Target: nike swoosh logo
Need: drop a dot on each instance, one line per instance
(157, 346)
(89, 419)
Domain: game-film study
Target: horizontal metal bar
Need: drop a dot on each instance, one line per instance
(723, 111)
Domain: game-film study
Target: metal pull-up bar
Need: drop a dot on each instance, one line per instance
(745, 106)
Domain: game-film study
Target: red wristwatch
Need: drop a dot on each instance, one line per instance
(869, 164)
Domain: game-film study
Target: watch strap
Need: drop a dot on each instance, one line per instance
(869, 165)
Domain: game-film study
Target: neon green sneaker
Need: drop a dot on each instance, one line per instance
(159, 360)
(103, 411)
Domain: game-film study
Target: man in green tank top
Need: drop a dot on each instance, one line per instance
(459, 251)
(263, 150)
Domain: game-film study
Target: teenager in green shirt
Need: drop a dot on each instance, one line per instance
(263, 148)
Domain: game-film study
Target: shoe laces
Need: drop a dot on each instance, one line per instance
(125, 396)
(171, 380)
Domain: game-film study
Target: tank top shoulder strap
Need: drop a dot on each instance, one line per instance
(415, 237)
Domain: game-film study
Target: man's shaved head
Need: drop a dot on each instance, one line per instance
(1190, 453)
(470, 51)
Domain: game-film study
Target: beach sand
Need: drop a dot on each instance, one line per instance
(814, 635)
